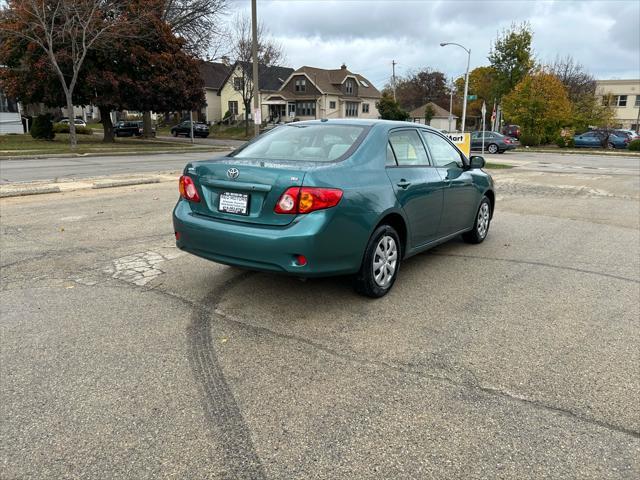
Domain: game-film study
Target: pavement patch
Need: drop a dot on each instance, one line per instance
(141, 268)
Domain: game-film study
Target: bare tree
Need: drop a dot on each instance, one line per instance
(198, 23)
(573, 76)
(270, 53)
(65, 30)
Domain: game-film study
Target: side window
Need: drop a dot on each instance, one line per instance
(442, 152)
(391, 158)
(408, 148)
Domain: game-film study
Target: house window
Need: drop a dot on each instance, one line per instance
(233, 107)
(349, 87)
(237, 83)
(306, 109)
(637, 104)
(365, 108)
(621, 101)
(301, 85)
(351, 109)
(333, 104)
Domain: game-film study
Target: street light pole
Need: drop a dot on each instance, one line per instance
(466, 80)
(257, 110)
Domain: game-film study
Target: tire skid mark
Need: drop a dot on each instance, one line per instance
(225, 420)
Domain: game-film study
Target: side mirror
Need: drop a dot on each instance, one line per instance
(476, 162)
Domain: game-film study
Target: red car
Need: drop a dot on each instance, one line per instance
(511, 131)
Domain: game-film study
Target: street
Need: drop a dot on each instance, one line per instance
(123, 357)
(12, 171)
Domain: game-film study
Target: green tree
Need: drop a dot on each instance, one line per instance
(481, 83)
(390, 109)
(589, 111)
(429, 113)
(540, 105)
(511, 57)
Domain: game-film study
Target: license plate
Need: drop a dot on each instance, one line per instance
(236, 203)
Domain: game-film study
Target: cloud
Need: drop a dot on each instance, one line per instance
(367, 35)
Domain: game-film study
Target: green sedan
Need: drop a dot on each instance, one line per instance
(334, 197)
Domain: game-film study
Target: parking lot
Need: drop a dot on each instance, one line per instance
(123, 357)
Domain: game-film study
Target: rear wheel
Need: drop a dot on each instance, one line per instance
(174, 133)
(380, 264)
(481, 225)
(610, 146)
(492, 148)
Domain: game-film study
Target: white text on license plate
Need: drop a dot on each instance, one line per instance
(237, 203)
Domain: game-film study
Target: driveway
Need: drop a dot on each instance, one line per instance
(123, 357)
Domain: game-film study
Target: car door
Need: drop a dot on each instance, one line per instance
(417, 185)
(476, 140)
(460, 195)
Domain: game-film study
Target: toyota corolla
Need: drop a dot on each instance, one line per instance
(336, 197)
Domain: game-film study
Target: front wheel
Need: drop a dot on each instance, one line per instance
(174, 133)
(492, 148)
(481, 224)
(380, 264)
(610, 146)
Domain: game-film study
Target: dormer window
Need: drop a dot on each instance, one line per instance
(301, 85)
(349, 87)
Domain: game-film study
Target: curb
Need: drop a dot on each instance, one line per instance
(124, 183)
(213, 149)
(29, 191)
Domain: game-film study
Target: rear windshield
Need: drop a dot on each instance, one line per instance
(308, 143)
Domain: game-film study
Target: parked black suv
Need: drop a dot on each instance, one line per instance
(184, 128)
(130, 129)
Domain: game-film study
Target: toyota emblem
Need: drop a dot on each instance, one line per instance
(233, 173)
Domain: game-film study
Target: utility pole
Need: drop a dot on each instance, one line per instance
(254, 56)
(393, 68)
(450, 105)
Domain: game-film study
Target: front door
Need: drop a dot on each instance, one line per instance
(417, 185)
(460, 195)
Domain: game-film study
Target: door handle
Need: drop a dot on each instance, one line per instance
(403, 184)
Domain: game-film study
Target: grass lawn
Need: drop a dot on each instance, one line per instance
(496, 166)
(11, 145)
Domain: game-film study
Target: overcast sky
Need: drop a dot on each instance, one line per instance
(368, 34)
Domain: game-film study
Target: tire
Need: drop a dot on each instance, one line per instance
(611, 146)
(376, 283)
(481, 224)
(492, 148)
(174, 133)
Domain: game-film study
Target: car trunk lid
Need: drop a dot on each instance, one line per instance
(244, 191)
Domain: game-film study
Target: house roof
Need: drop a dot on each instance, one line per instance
(439, 112)
(214, 74)
(269, 78)
(330, 81)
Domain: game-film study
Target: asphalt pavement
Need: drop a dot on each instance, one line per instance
(123, 357)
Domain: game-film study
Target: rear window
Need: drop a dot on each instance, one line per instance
(308, 143)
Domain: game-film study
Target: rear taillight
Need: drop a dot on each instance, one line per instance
(307, 199)
(188, 189)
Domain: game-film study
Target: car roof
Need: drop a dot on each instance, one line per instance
(368, 122)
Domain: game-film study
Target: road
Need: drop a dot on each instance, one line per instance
(123, 357)
(12, 171)
(19, 171)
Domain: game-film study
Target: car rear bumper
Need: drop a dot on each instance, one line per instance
(331, 246)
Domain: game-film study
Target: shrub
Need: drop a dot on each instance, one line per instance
(43, 127)
(530, 139)
(634, 145)
(565, 142)
(64, 128)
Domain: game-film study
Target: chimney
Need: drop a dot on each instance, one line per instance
(343, 67)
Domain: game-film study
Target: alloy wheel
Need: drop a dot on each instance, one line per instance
(385, 261)
(483, 220)
(492, 148)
